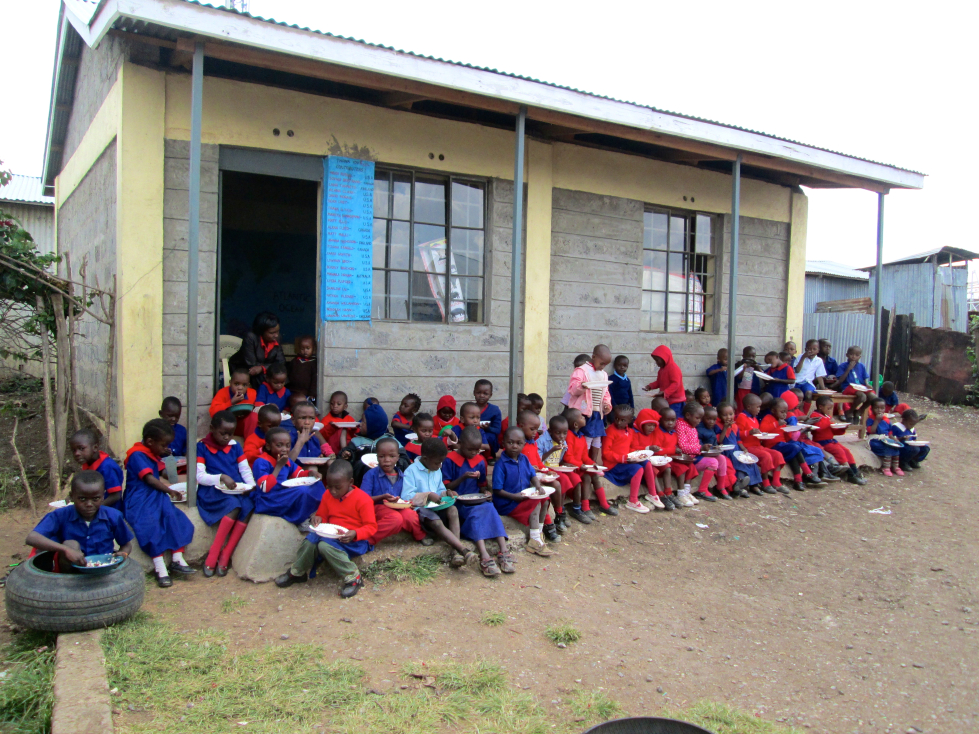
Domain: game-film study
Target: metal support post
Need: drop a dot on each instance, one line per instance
(732, 295)
(516, 260)
(875, 366)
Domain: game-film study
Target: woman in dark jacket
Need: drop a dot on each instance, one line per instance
(260, 348)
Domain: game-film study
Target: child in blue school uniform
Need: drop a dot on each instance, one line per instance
(221, 462)
(84, 447)
(850, 373)
(491, 419)
(273, 389)
(308, 442)
(717, 374)
(620, 387)
(84, 528)
(170, 411)
(383, 484)
(903, 431)
(271, 469)
(464, 472)
(158, 525)
(781, 373)
(879, 427)
(470, 417)
(402, 420)
(512, 474)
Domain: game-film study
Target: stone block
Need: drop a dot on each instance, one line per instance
(596, 248)
(194, 553)
(595, 226)
(176, 232)
(939, 364)
(176, 205)
(176, 175)
(175, 266)
(81, 693)
(267, 548)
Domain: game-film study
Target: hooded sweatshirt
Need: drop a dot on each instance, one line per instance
(670, 378)
(446, 401)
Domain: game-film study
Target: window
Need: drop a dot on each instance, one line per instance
(678, 272)
(428, 247)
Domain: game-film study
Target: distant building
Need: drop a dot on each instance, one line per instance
(24, 198)
(826, 282)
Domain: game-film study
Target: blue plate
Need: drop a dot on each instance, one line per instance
(100, 570)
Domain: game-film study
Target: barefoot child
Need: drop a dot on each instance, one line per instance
(170, 412)
(464, 472)
(158, 525)
(512, 474)
(401, 422)
(669, 379)
(619, 468)
(271, 469)
(482, 392)
(84, 528)
(302, 370)
(344, 505)
(383, 484)
(84, 447)
(269, 417)
(579, 397)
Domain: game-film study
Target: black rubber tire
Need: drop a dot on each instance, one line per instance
(64, 602)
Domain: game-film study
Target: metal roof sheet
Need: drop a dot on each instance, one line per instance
(838, 270)
(28, 189)
(957, 254)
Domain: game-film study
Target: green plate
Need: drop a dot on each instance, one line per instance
(447, 502)
(242, 408)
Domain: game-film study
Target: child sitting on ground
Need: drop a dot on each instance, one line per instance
(170, 412)
(445, 415)
(402, 420)
(423, 425)
(84, 447)
(894, 404)
(464, 472)
(620, 469)
(271, 469)
(221, 462)
(669, 379)
(309, 443)
(350, 508)
(811, 451)
(770, 462)
(422, 485)
(903, 431)
(781, 373)
(879, 426)
(338, 437)
(579, 397)
(273, 389)
(621, 388)
(688, 440)
(717, 374)
(302, 369)
(850, 373)
(523, 403)
(158, 525)
(491, 419)
(373, 424)
(384, 483)
(825, 435)
(268, 417)
(84, 528)
(788, 445)
(512, 474)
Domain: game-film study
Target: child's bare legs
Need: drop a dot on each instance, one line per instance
(438, 529)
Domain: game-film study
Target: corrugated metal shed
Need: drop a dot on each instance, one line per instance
(843, 330)
(25, 188)
(38, 219)
(936, 296)
(942, 255)
(828, 267)
(832, 288)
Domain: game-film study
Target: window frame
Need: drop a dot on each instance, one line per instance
(713, 271)
(449, 179)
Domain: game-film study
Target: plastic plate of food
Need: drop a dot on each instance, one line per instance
(918, 443)
(593, 468)
(562, 469)
(328, 530)
(182, 488)
(684, 458)
(313, 460)
(59, 503)
(766, 436)
(300, 482)
(346, 424)
(660, 460)
(242, 408)
(484, 423)
(532, 493)
(370, 460)
(886, 440)
(839, 425)
(445, 504)
(745, 458)
(713, 451)
(596, 384)
(860, 388)
(826, 392)
(317, 426)
(99, 565)
(411, 436)
(726, 447)
(476, 498)
(397, 505)
(641, 455)
(762, 376)
(240, 488)
(797, 427)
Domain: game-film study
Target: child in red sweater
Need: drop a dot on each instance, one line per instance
(345, 505)
(577, 456)
(667, 438)
(825, 435)
(445, 415)
(770, 461)
(669, 379)
(620, 468)
(268, 417)
(529, 423)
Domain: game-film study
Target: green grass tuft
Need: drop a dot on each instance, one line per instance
(564, 632)
(493, 619)
(233, 604)
(418, 570)
(26, 696)
(722, 719)
(594, 706)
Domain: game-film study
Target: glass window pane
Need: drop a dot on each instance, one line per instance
(653, 270)
(401, 200)
(380, 242)
(377, 296)
(467, 204)
(399, 247)
(676, 320)
(427, 296)
(660, 228)
(398, 296)
(678, 232)
(467, 251)
(703, 239)
(429, 201)
(382, 195)
(677, 272)
(429, 248)
(471, 302)
(657, 311)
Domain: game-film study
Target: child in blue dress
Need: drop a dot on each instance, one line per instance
(728, 435)
(308, 442)
(879, 427)
(464, 472)
(271, 468)
(401, 422)
(490, 417)
(273, 390)
(512, 474)
(221, 462)
(170, 411)
(470, 417)
(911, 456)
(158, 525)
(84, 447)
(717, 374)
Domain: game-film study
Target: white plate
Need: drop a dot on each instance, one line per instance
(840, 425)
(300, 482)
(860, 388)
(660, 460)
(531, 492)
(544, 477)
(370, 460)
(745, 458)
(181, 461)
(240, 488)
(562, 469)
(918, 443)
(59, 503)
(766, 436)
(328, 530)
(285, 416)
(411, 436)
(346, 424)
(182, 488)
(596, 384)
(762, 376)
(826, 392)
(313, 460)
(727, 447)
(485, 423)
(641, 455)
(317, 426)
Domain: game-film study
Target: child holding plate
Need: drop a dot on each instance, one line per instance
(383, 484)
(512, 475)
(281, 489)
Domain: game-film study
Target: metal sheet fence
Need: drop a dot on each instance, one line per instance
(843, 330)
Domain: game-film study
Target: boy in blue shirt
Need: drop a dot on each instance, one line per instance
(84, 528)
(84, 447)
(717, 374)
(620, 389)
(850, 373)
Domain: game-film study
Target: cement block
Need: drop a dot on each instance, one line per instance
(588, 203)
(81, 692)
(267, 548)
(196, 551)
(592, 225)
(596, 248)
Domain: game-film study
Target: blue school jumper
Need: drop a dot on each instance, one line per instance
(111, 474)
(178, 447)
(831, 366)
(858, 375)
(811, 454)
(292, 504)
(265, 396)
(511, 476)
(706, 435)
(399, 433)
(94, 538)
(212, 503)
(718, 385)
(620, 390)
(909, 453)
(313, 447)
(158, 525)
(478, 522)
(492, 414)
(877, 447)
(777, 388)
(376, 482)
(734, 438)
(892, 400)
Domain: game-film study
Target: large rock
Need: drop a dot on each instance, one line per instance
(939, 364)
(267, 548)
(195, 552)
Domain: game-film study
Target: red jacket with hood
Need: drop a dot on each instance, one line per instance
(670, 378)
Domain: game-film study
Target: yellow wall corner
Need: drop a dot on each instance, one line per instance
(537, 278)
(796, 291)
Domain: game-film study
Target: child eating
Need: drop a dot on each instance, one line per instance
(512, 474)
(309, 443)
(273, 389)
(401, 422)
(576, 456)
(239, 391)
(747, 382)
(903, 431)
(469, 417)
(825, 435)
(770, 462)
(851, 373)
(271, 468)
(619, 468)
(445, 414)
(482, 392)
(423, 425)
(788, 445)
(728, 434)
(84, 447)
(579, 397)
(269, 417)
(338, 437)
(688, 440)
(170, 411)
(782, 375)
(384, 483)
(529, 422)
(877, 426)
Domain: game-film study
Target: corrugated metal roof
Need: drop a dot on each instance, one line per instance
(28, 189)
(828, 267)
(537, 81)
(957, 254)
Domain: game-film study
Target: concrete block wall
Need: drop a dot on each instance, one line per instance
(596, 288)
(176, 203)
(87, 230)
(387, 359)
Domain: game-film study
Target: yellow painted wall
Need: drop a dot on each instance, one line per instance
(101, 132)
(537, 292)
(795, 303)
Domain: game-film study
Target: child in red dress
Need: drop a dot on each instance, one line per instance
(770, 461)
(825, 435)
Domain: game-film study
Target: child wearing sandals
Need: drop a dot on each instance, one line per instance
(384, 483)
(423, 484)
(512, 474)
(620, 468)
(707, 466)
(879, 426)
(464, 472)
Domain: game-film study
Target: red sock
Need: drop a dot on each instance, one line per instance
(585, 505)
(705, 481)
(765, 482)
(797, 477)
(236, 534)
(224, 527)
(649, 476)
(600, 496)
(777, 477)
(634, 484)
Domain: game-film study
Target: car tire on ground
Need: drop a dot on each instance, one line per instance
(64, 602)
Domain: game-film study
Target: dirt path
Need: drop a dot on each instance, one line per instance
(807, 609)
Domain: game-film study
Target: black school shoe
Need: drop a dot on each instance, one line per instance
(590, 514)
(906, 466)
(755, 489)
(857, 478)
(914, 464)
(704, 496)
(768, 490)
(351, 588)
(183, 569)
(668, 502)
(551, 533)
(287, 579)
(579, 516)
(561, 523)
(797, 486)
(164, 582)
(610, 510)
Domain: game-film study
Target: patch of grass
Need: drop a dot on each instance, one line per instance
(564, 632)
(493, 619)
(418, 570)
(26, 696)
(478, 677)
(594, 706)
(723, 719)
(233, 604)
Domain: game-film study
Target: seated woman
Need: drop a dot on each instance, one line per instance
(260, 348)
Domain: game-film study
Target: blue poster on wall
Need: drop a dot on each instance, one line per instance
(347, 231)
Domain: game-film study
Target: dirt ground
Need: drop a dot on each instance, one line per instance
(808, 609)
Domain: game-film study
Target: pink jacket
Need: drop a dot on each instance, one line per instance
(580, 397)
(686, 438)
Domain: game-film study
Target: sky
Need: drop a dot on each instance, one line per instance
(892, 82)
